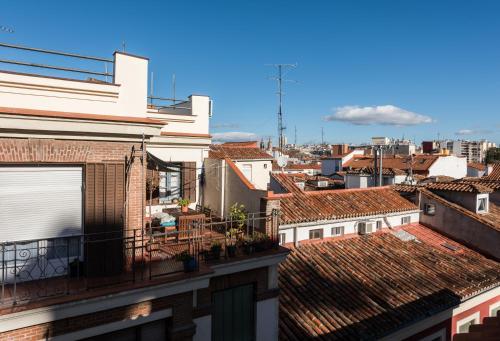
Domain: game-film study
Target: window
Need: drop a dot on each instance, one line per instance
(464, 324)
(316, 234)
(482, 204)
(495, 309)
(379, 225)
(337, 231)
(282, 238)
(405, 220)
(364, 227)
(429, 209)
(170, 184)
(247, 172)
(265, 165)
(233, 314)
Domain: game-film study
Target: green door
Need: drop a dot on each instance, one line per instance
(233, 317)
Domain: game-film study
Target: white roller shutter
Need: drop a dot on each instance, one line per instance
(40, 202)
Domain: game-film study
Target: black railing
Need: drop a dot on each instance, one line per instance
(34, 269)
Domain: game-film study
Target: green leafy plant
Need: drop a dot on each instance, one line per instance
(183, 202)
(238, 214)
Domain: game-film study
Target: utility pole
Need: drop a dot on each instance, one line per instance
(280, 79)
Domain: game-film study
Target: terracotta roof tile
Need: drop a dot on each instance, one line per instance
(495, 173)
(371, 171)
(294, 166)
(459, 187)
(220, 151)
(477, 165)
(420, 162)
(368, 287)
(338, 204)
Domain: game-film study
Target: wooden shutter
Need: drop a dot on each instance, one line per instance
(104, 213)
(189, 181)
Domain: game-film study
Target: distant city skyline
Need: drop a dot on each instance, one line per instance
(365, 68)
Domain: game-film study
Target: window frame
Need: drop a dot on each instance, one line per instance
(404, 218)
(365, 223)
(163, 191)
(314, 231)
(486, 204)
(493, 307)
(427, 206)
(282, 238)
(475, 316)
(378, 225)
(341, 229)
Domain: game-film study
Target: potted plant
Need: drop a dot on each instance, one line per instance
(248, 244)
(262, 242)
(231, 246)
(184, 203)
(215, 249)
(187, 260)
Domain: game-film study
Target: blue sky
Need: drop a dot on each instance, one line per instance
(435, 64)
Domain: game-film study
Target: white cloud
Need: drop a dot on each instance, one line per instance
(234, 136)
(380, 114)
(224, 125)
(472, 132)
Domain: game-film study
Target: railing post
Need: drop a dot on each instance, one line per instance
(15, 272)
(3, 272)
(68, 268)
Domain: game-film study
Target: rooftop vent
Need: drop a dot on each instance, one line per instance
(450, 247)
(404, 236)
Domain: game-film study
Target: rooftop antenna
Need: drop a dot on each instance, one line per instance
(322, 136)
(281, 68)
(295, 139)
(173, 88)
(123, 46)
(151, 92)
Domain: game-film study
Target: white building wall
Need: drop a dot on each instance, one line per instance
(203, 328)
(451, 165)
(260, 172)
(267, 320)
(350, 226)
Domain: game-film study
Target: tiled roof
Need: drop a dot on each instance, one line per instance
(401, 188)
(459, 187)
(371, 170)
(491, 219)
(237, 153)
(287, 181)
(495, 173)
(436, 178)
(338, 204)
(477, 165)
(371, 286)
(420, 162)
(242, 144)
(294, 166)
(493, 184)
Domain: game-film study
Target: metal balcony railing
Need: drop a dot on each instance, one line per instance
(31, 270)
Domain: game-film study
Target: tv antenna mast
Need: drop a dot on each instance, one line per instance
(295, 139)
(322, 136)
(282, 70)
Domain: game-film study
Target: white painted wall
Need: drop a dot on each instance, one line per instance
(451, 165)
(330, 166)
(267, 320)
(260, 172)
(203, 328)
(301, 231)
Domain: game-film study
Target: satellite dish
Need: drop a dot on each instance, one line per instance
(281, 161)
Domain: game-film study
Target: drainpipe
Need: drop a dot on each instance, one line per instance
(380, 182)
(223, 188)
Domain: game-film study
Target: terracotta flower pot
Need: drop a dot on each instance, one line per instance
(184, 209)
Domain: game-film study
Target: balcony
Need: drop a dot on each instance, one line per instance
(40, 272)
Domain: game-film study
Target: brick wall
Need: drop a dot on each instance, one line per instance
(181, 305)
(50, 151)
